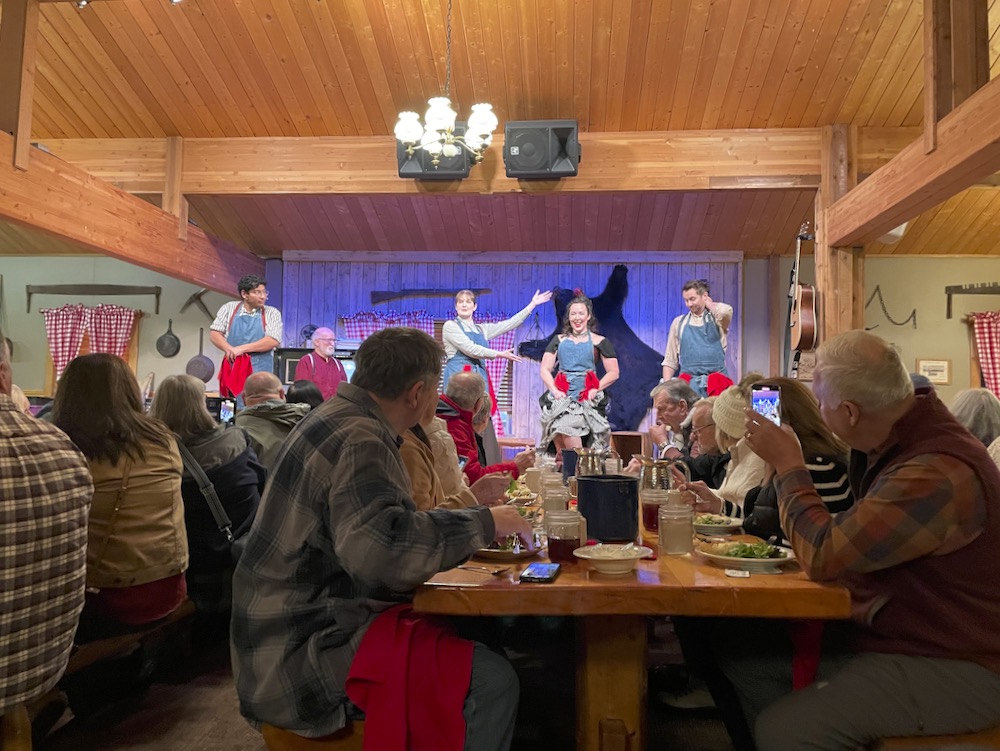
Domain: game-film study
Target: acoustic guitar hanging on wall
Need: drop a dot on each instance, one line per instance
(802, 310)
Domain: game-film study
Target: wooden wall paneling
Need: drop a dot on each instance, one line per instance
(905, 87)
(879, 55)
(202, 87)
(108, 82)
(536, 58)
(231, 48)
(348, 36)
(73, 87)
(903, 50)
(510, 50)
(808, 55)
(668, 59)
(985, 225)
(845, 55)
(839, 22)
(561, 17)
(629, 22)
(730, 44)
(599, 73)
(635, 79)
(783, 47)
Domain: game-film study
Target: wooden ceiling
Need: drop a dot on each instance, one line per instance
(204, 68)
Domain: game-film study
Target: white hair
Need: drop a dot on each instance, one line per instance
(859, 367)
(979, 411)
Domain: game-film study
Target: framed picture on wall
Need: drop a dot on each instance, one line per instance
(938, 372)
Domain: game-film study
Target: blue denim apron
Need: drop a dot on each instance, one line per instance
(245, 329)
(701, 351)
(575, 359)
(457, 362)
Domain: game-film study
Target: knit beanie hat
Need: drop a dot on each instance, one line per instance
(728, 414)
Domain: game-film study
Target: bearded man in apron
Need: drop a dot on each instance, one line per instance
(696, 345)
(247, 331)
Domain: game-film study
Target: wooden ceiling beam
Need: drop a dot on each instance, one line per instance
(18, 42)
(64, 201)
(684, 160)
(968, 150)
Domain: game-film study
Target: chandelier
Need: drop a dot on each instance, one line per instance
(440, 135)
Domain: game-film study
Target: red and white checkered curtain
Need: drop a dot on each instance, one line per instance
(987, 330)
(64, 328)
(111, 329)
(497, 367)
(363, 324)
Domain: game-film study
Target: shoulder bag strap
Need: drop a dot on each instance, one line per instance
(126, 471)
(208, 490)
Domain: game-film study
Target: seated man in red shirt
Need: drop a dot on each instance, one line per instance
(462, 398)
(320, 366)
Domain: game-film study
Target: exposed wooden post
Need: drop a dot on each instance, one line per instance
(173, 201)
(937, 68)
(970, 48)
(838, 269)
(776, 315)
(18, 42)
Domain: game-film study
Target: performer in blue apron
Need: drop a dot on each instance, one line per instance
(247, 332)
(701, 351)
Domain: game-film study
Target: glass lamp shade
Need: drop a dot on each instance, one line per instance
(408, 128)
(431, 142)
(449, 150)
(440, 115)
(473, 141)
(482, 121)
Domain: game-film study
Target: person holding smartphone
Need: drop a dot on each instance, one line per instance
(825, 456)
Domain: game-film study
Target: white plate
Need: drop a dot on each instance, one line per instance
(731, 525)
(760, 565)
(490, 554)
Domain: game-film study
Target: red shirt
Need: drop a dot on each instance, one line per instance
(325, 373)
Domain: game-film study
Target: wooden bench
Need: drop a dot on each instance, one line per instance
(350, 738)
(989, 738)
(93, 652)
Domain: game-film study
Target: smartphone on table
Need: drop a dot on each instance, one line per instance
(766, 401)
(540, 573)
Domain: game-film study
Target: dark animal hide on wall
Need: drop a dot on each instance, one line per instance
(638, 362)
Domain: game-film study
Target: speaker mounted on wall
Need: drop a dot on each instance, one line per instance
(420, 165)
(541, 149)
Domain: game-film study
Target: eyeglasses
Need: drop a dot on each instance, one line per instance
(694, 431)
(325, 339)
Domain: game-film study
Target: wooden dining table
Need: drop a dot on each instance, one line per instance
(612, 617)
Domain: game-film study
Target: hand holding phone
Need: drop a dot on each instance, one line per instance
(540, 573)
(766, 401)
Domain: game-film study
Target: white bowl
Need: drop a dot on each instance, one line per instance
(613, 560)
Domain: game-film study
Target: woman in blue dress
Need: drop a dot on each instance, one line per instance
(574, 406)
(466, 343)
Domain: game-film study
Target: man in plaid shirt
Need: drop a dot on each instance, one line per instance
(337, 541)
(45, 492)
(918, 552)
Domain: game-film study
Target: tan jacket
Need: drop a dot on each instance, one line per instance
(425, 483)
(453, 481)
(145, 540)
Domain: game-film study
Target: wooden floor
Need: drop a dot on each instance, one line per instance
(194, 708)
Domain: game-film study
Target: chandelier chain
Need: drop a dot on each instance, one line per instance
(447, 59)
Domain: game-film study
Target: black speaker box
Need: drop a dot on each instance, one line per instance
(421, 167)
(541, 149)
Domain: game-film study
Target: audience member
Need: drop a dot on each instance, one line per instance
(745, 471)
(46, 490)
(825, 458)
(268, 418)
(337, 542)
(672, 400)
(426, 485)
(921, 655)
(707, 462)
(137, 548)
(979, 411)
(320, 366)
(464, 395)
(305, 392)
(231, 466)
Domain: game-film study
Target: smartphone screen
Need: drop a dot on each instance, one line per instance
(226, 410)
(766, 401)
(462, 461)
(540, 572)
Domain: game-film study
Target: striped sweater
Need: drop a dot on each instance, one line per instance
(829, 476)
